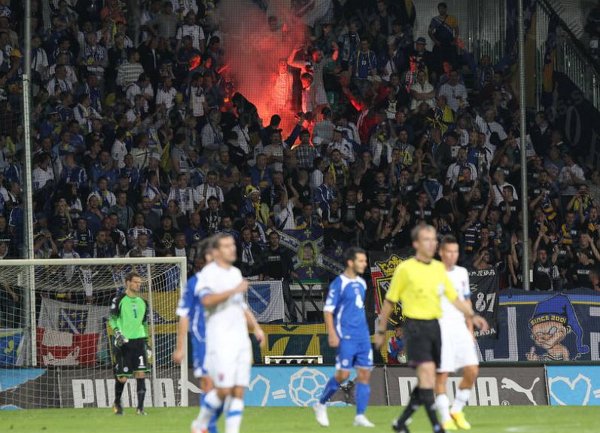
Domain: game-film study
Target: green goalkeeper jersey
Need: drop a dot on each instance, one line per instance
(130, 316)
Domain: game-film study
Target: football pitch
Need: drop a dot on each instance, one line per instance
(515, 419)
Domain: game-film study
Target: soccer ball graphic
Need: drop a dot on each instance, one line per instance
(306, 386)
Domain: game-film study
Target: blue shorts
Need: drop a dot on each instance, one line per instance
(198, 356)
(354, 354)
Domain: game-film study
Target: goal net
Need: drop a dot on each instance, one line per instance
(56, 347)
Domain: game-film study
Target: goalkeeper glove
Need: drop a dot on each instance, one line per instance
(149, 355)
(119, 339)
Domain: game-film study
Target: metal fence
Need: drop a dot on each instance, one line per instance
(482, 24)
(572, 58)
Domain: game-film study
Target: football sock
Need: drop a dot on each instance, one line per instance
(363, 392)
(119, 387)
(141, 392)
(210, 406)
(460, 400)
(233, 416)
(413, 405)
(330, 388)
(428, 400)
(212, 425)
(442, 404)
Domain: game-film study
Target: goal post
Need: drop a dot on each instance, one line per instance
(56, 345)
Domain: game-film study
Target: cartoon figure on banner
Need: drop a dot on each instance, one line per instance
(552, 321)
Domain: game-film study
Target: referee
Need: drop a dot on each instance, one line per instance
(418, 283)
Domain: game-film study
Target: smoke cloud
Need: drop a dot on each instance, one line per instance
(253, 47)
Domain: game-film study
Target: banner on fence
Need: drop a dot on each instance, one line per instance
(574, 385)
(383, 266)
(484, 296)
(312, 261)
(303, 385)
(494, 387)
(576, 115)
(546, 327)
(294, 340)
(265, 299)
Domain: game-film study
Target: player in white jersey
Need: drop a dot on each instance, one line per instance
(458, 344)
(221, 288)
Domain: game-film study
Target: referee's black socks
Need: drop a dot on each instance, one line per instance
(413, 405)
(418, 397)
(119, 387)
(141, 392)
(428, 400)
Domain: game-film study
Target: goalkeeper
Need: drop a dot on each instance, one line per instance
(129, 322)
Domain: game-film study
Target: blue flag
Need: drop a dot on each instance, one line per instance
(9, 346)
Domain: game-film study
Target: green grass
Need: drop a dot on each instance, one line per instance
(515, 419)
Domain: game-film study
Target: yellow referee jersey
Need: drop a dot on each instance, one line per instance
(419, 287)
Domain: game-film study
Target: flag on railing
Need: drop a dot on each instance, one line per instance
(10, 342)
(549, 61)
(511, 50)
(72, 318)
(265, 299)
(69, 334)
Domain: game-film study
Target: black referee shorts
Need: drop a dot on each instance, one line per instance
(423, 341)
(131, 358)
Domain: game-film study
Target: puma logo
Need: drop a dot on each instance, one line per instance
(511, 384)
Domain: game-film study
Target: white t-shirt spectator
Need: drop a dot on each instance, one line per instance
(345, 148)
(197, 101)
(184, 197)
(569, 178)
(185, 6)
(39, 62)
(166, 97)
(455, 170)
(497, 191)
(71, 76)
(275, 150)
(195, 31)
(56, 86)
(135, 89)
(41, 177)
(146, 252)
(212, 137)
(421, 88)
(243, 138)
(204, 191)
(118, 152)
(488, 128)
(454, 94)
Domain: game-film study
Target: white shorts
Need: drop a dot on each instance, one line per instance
(229, 368)
(458, 347)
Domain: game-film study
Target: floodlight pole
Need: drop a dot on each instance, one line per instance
(28, 190)
(523, 142)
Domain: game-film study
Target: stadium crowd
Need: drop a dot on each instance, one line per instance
(142, 148)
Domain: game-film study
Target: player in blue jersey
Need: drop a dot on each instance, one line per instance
(191, 318)
(349, 333)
